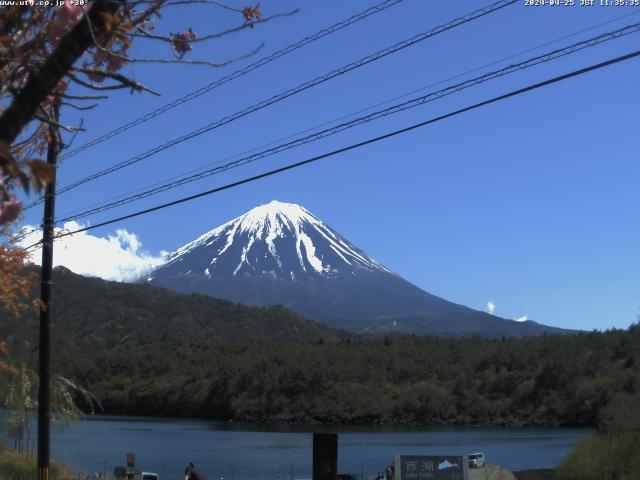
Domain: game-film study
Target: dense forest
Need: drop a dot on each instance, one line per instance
(144, 350)
(90, 314)
(548, 380)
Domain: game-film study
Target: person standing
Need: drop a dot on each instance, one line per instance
(192, 473)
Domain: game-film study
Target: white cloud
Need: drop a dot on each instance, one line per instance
(491, 307)
(524, 318)
(115, 257)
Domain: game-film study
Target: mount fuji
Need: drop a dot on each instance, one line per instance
(280, 253)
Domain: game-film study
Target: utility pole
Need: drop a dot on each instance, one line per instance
(44, 364)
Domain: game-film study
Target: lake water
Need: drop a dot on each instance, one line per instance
(246, 451)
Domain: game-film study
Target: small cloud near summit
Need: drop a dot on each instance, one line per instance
(491, 307)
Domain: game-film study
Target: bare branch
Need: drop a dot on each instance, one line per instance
(23, 143)
(156, 5)
(94, 86)
(78, 107)
(189, 62)
(126, 81)
(210, 2)
(67, 128)
(212, 36)
(63, 145)
(83, 97)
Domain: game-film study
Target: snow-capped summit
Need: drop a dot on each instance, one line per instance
(280, 253)
(281, 240)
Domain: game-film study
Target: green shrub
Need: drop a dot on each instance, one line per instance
(613, 452)
(603, 458)
(17, 467)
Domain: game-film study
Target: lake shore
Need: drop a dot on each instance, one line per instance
(249, 451)
(536, 474)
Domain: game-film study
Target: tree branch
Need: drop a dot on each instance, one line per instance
(78, 107)
(64, 145)
(23, 143)
(83, 97)
(125, 81)
(212, 36)
(210, 2)
(23, 107)
(188, 62)
(66, 128)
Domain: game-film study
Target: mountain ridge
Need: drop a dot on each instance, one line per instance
(92, 314)
(280, 253)
(261, 229)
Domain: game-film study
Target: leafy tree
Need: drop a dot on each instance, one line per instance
(150, 351)
(68, 57)
(21, 404)
(15, 281)
(613, 452)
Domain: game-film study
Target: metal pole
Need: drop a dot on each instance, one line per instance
(325, 456)
(44, 369)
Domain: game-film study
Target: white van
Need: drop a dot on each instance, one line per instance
(476, 460)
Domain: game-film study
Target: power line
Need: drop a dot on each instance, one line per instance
(414, 102)
(343, 117)
(293, 91)
(227, 78)
(238, 73)
(332, 153)
(178, 180)
(26, 233)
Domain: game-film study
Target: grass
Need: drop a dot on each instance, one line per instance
(14, 466)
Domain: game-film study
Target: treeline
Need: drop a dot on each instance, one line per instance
(148, 351)
(547, 380)
(90, 315)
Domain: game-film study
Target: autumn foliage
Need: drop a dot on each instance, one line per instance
(71, 57)
(4, 352)
(16, 281)
(15, 286)
(252, 14)
(66, 56)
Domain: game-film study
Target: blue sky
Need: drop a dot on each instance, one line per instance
(531, 203)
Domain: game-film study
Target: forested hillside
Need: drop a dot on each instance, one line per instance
(148, 351)
(91, 315)
(548, 380)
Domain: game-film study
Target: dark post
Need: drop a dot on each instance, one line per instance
(325, 456)
(45, 310)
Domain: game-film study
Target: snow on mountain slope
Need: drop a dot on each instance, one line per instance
(281, 240)
(280, 253)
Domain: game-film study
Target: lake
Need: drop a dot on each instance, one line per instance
(248, 451)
